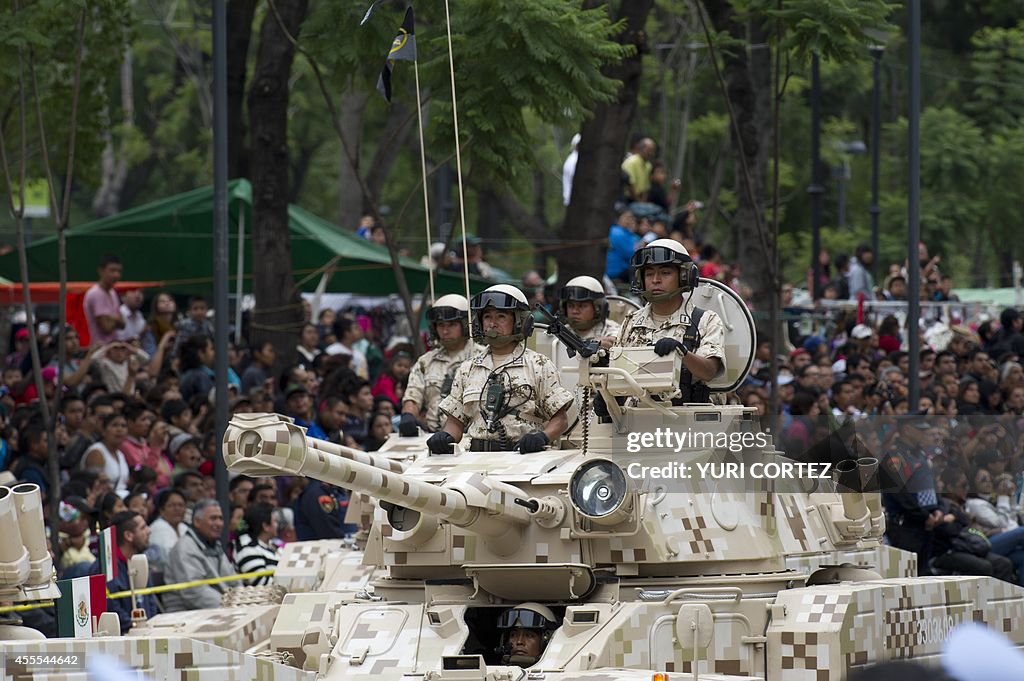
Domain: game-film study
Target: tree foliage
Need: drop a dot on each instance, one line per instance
(40, 41)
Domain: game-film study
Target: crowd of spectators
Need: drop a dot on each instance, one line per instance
(963, 458)
(135, 433)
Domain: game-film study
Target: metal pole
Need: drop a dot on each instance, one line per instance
(842, 195)
(876, 143)
(913, 192)
(240, 273)
(220, 245)
(815, 189)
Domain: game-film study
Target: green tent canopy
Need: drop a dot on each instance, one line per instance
(171, 240)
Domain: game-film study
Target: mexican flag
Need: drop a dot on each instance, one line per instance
(106, 549)
(80, 600)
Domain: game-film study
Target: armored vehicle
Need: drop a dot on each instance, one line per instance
(778, 579)
(628, 566)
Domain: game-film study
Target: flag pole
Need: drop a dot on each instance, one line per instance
(458, 153)
(423, 169)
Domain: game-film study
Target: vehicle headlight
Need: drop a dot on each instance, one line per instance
(599, 491)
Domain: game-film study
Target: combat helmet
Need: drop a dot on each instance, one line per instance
(581, 289)
(664, 252)
(532, 617)
(502, 297)
(449, 308)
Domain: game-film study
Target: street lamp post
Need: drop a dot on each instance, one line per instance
(913, 196)
(876, 137)
(842, 173)
(815, 189)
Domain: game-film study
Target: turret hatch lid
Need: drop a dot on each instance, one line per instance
(740, 334)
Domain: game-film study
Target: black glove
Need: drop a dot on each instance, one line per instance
(407, 426)
(600, 407)
(532, 442)
(440, 442)
(666, 346)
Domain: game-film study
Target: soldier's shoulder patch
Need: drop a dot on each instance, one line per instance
(328, 504)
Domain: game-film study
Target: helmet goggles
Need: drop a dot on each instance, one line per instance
(580, 294)
(445, 314)
(524, 619)
(497, 300)
(657, 255)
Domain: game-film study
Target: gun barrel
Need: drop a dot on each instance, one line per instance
(369, 458)
(267, 445)
(13, 554)
(360, 456)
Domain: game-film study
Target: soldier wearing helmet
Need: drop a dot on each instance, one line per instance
(583, 303)
(663, 273)
(506, 396)
(525, 632)
(431, 377)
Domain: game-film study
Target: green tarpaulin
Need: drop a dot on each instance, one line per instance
(171, 240)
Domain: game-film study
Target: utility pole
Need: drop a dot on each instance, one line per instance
(815, 189)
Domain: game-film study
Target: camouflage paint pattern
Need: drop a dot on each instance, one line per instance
(158, 658)
(428, 377)
(536, 393)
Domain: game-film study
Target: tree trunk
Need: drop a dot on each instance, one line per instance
(300, 170)
(748, 79)
(277, 316)
(350, 195)
(395, 137)
(488, 219)
(114, 160)
(603, 139)
(240, 15)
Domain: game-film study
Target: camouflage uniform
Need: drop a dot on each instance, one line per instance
(428, 379)
(640, 329)
(607, 328)
(535, 396)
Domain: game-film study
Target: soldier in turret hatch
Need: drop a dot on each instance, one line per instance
(663, 274)
(525, 632)
(506, 396)
(431, 377)
(583, 303)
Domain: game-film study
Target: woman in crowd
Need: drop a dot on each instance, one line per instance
(169, 525)
(394, 378)
(969, 399)
(163, 313)
(309, 345)
(380, 430)
(106, 455)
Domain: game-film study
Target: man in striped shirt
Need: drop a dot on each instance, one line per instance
(254, 551)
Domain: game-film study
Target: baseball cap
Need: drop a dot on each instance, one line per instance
(861, 331)
(785, 379)
(180, 440)
(21, 334)
(294, 389)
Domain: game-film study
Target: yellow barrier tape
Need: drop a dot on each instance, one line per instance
(179, 586)
(26, 606)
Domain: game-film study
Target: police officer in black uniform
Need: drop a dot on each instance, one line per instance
(908, 490)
